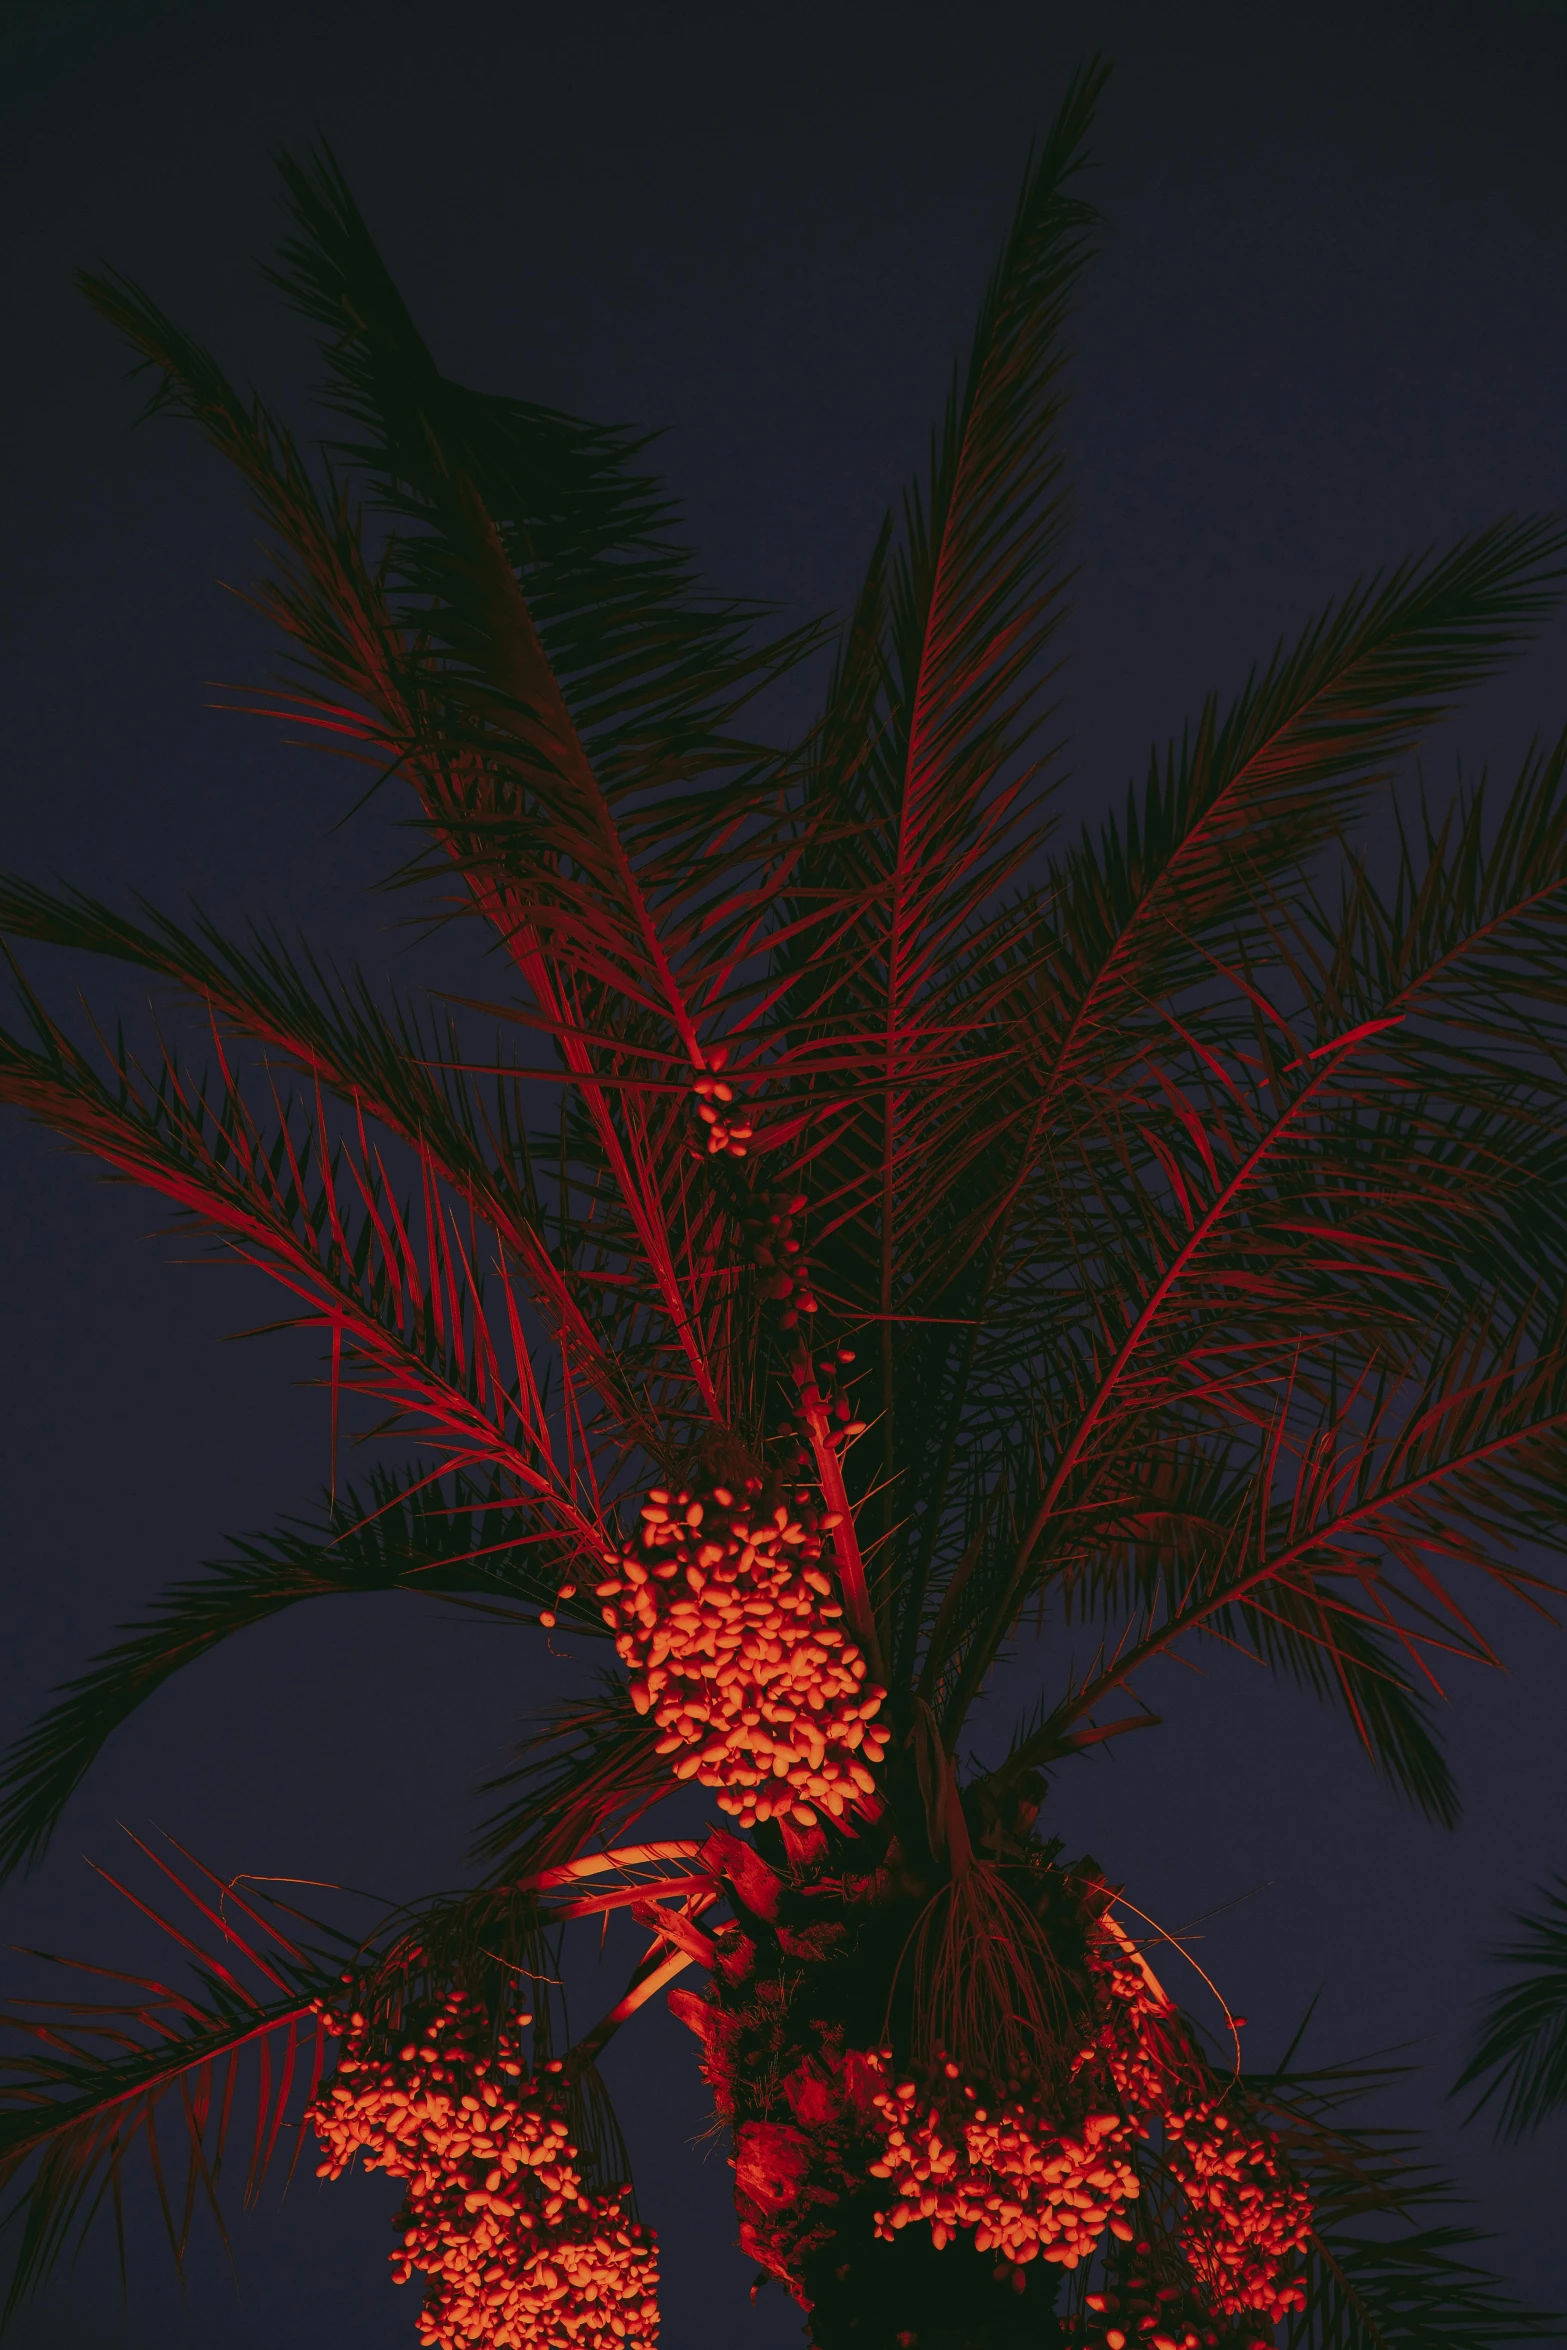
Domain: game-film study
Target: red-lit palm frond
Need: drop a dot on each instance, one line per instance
(1317, 1231)
(1171, 997)
(583, 1777)
(90, 2081)
(527, 652)
(391, 1068)
(926, 783)
(412, 1293)
(1332, 1548)
(1164, 1023)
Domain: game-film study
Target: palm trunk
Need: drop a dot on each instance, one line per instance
(907, 2295)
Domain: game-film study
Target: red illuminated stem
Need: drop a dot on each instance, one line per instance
(846, 1546)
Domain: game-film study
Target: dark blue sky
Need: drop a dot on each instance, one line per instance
(1328, 327)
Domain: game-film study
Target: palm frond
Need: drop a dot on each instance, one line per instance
(1389, 2267)
(1342, 1197)
(93, 2079)
(383, 1064)
(408, 1321)
(444, 1538)
(653, 669)
(927, 785)
(1520, 2053)
(1251, 795)
(1345, 1539)
(1422, 2289)
(583, 1775)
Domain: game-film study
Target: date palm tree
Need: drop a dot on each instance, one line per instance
(853, 1232)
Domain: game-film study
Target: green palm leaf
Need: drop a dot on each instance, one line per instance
(1520, 2053)
(449, 1539)
(1390, 2267)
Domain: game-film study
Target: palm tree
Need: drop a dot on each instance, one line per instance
(850, 1233)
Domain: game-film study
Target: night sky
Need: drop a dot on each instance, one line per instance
(1328, 328)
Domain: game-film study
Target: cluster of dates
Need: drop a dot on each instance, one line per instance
(517, 2253)
(777, 1254)
(1007, 2173)
(1246, 2220)
(1127, 2136)
(1028, 2189)
(1246, 2216)
(728, 1127)
(1146, 2310)
(1024, 2189)
(736, 1646)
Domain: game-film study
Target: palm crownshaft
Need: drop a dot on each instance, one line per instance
(1161, 1237)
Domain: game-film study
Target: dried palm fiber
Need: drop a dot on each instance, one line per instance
(728, 1624)
(988, 1986)
(518, 2254)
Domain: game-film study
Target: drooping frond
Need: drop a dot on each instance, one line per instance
(652, 668)
(398, 1285)
(447, 1538)
(624, 926)
(1316, 1230)
(1389, 2266)
(383, 1064)
(1421, 2289)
